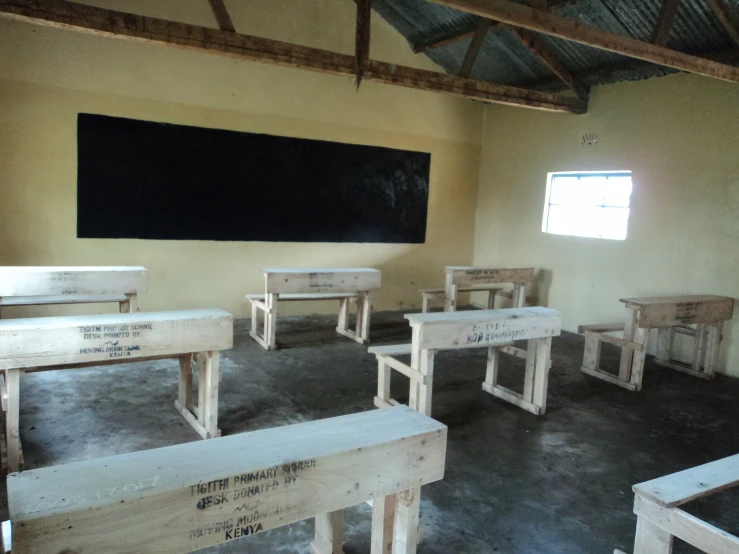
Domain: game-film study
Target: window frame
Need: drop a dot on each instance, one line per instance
(605, 173)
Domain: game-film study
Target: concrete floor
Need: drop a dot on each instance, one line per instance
(514, 483)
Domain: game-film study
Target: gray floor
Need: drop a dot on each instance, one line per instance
(514, 483)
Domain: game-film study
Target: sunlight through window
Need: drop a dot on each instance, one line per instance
(588, 204)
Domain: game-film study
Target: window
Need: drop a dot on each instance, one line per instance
(588, 204)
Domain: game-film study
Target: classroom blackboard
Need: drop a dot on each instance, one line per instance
(145, 180)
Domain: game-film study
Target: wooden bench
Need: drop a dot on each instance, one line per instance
(39, 286)
(660, 520)
(348, 285)
(46, 343)
(187, 497)
(466, 278)
(492, 329)
(432, 295)
(670, 315)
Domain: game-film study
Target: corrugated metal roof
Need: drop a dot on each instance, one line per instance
(503, 59)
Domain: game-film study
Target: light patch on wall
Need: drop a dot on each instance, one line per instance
(590, 140)
(588, 204)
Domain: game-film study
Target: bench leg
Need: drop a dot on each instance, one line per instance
(591, 355)
(699, 348)
(384, 373)
(627, 354)
(638, 356)
(208, 394)
(420, 396)
(329, 533)
(254, 319)
(128, 306)
(519, 295)
(651, 539)
(270, 321)
(424, 304)
(12, 421)
(383, 521)
(405, 531)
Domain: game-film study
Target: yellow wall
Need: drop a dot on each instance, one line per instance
(49, 75)
(679, 136)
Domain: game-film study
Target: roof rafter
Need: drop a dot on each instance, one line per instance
(104, 22)
(362, 40)
(222, 17)
(530, 41)
(475, 45)
(665, 22)
(729, 21)
(576, 31)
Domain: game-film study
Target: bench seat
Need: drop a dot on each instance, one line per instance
(187, 497)
(391, 350)
(61, 299)
(305, 296)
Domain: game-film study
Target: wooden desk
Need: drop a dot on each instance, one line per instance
(669, 315)
(187, 497)
(485, 278)
(294, 284)
(36, 285)
(492, 329)
(47, 343)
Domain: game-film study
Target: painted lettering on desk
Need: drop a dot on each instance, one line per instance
(486, 333)
(112, 335)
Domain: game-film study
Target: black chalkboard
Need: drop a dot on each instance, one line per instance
(145, 180)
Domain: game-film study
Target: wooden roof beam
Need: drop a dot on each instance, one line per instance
(530, 41)
(729, 20)
(547, 23)
(665, 22)
(103, 22)
(362, 40)
(475, 45)
(222, 17)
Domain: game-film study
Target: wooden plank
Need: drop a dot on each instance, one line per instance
(651, 539)
(677, 523)
(535, 46)
(600, 328)
(477, 328)
(466, 276)
(65, 281)
(391, 350)
(544, 22)
(222, 17)
(362, 38)
(300, 297)
(728, 19)
(478, 39)
(684, 368)
(187, 497)
(669, 311)
(321, 280)
(688, 485)
(443, 40)
(605, 376)
(665, 22)
(55, 341)
(62, 299)
(512, 397)
(103, 22)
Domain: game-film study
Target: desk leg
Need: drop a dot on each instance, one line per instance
(640, 336)
(12, 420)
(529, 379)
(208, 393)
(185, 390)
(491, 375)
(383, 521)
(541, 381)
(425, 390)
(329, 533)
(713, 340)
(254, 319)
(450, 296)
(366, 313)
(651, 539)
(405, 532)
(128, 306)
(665, 338)
(699, 348)
(627, 354)
(343, 323)
(591, 356)
(384, 373)
(519, 295)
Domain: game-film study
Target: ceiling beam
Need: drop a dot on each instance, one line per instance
(362, 41)
(665, 22)
(222, 17)
(474, 49)
(103, 22)
(530, 41)
(629, 71)
(555, 4)
(729, 21)
(576, 31)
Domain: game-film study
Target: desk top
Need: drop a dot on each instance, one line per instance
(461, 275)
(319, 270)
(58, 280)
(669, 311)
(472, 316)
